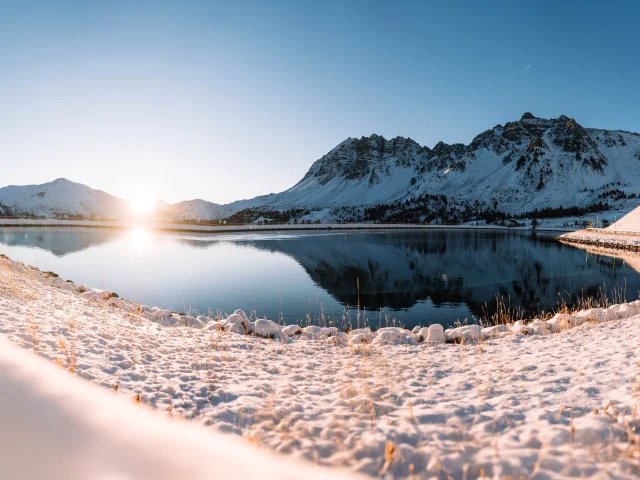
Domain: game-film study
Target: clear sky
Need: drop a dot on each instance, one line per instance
(229, 100)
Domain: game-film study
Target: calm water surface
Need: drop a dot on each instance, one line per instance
(412, 277)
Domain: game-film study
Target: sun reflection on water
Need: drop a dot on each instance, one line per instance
(140, 238)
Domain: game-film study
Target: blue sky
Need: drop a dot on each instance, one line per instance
(229, 100)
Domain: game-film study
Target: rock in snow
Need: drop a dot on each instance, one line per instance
(213, 325)
(435, 334)
(266, 328)
(360, 338)
(466, 333)
(292, 330)
(237, 328)
(489, 332)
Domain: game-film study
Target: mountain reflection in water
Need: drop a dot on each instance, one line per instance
(416, 277)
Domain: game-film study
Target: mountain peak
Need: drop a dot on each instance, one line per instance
(60, 198)
(61, 181)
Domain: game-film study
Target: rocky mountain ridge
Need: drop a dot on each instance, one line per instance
(520, 166)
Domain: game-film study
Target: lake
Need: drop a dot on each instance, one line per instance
(403, 277)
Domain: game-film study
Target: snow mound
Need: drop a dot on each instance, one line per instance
(292, 330)
(238, 328)
(265, 328)
(629, 223)
(435, 334)
(56, 426)
(213, 325)
(466, 333)
(360, 338)
(394, 336)
(495, 331)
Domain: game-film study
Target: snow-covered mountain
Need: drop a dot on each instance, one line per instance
(520, 166)
(532, 163)
(64, 198)
(193, 210)
(60, 198)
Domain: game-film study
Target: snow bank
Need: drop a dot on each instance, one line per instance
(268, 329)
(629, 223)
(394, 336)
(603, 239)
(55, 426)
(468, 332)
(292, 330)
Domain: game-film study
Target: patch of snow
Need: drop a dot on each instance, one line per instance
(57, 426)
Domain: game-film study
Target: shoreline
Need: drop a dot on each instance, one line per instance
(597, 310)
(602, 239)
(249, 228)
(556, 321)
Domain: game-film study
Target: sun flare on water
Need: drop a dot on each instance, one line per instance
(140, 239)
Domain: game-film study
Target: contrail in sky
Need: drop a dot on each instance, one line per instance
(529, 67)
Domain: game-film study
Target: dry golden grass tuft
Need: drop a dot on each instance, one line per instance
(15, 286)
(389, 456)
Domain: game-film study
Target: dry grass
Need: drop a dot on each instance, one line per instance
(10, 288)
(503, 313)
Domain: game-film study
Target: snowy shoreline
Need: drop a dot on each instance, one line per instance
(239, 323)
(519, 402)
(602, 240)
(189, 228)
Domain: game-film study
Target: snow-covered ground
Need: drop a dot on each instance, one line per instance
(603, 239)
(623, 234)
(540, 405)
(56, 427)
(628, 223)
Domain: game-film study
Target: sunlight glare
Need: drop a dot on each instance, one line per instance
(142, 205)
(140, 238)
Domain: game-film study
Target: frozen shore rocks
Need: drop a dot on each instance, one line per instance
(239, 323)
(603, 240)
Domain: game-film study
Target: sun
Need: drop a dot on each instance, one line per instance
(142, 205)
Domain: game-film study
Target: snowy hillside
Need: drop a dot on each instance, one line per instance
(195, 210)
(60, 198)
(629, 223)
(523, 165)
(63, 198)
